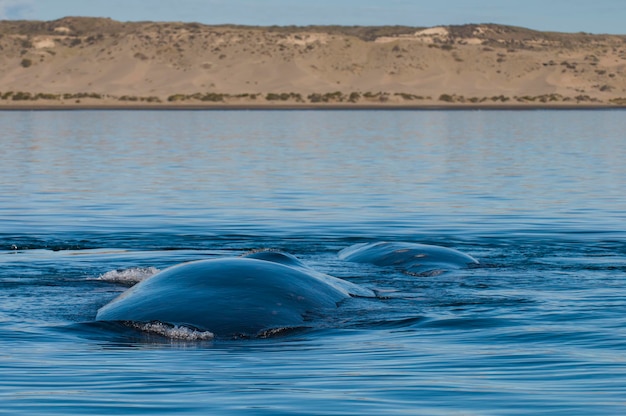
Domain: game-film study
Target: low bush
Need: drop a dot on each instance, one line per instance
(409, 97)
(22, 96)
(278, 97)
(336, 96)
(354, 97)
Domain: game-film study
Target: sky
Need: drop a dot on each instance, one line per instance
(598, 16)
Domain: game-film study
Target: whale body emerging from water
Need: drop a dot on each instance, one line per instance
(418, 259)
(230, 297)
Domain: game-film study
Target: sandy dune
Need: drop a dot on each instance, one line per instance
(101, 61)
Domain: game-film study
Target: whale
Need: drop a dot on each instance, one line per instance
(247, 296)
(412, 258)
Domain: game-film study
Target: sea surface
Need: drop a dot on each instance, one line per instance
(93, 201)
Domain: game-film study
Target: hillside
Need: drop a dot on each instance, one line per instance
(101, 61)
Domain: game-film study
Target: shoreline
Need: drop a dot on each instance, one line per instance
(77, 63)
(303, 107)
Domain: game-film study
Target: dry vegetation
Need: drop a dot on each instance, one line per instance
(88, 60)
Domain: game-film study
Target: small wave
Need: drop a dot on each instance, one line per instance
(128, 276)
(172, 331)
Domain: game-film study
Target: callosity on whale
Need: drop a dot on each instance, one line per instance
(420, 259)
(232, 296)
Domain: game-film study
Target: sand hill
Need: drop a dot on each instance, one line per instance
(101, 61)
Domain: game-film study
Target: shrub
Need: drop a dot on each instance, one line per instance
(272, 97)
(68, 96)
(333, 96)
(404, 95)
(212, 96)
(446, 97)
(500, 98)
(21, 96)
(26, 62)
(45, 96)
(315, 97)
(176, 97)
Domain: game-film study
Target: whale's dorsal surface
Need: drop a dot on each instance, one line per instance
(231, 296)
(414, 258)
(292, 261)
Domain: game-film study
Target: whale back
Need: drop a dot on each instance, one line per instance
(276, 257)
(228, 297)
(292, 261)
(419, 259)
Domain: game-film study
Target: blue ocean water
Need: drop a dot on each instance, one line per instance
(93, 201)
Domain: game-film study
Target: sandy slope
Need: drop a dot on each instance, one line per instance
(471, 64)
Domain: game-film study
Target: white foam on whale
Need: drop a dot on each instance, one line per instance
(176, 332)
